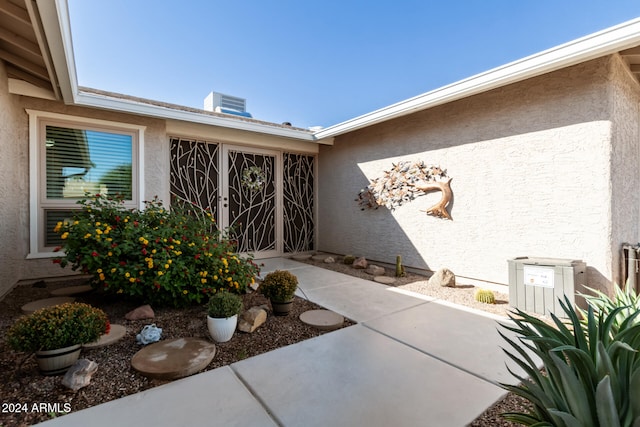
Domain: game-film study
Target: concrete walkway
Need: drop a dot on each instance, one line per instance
(408, 362)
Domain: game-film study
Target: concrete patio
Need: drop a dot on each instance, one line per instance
(409, 361)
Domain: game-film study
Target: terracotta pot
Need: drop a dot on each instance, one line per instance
(281, 308)
(222, 329)
(58, 361)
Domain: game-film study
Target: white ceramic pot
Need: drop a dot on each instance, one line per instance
(58, 361)
(222, 330)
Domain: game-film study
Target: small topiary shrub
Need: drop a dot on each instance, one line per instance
(485, 296)
(349, 259)
(224, 304)
(279, 286)
(57, 327)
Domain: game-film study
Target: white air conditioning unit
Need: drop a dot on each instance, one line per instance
(221, 103)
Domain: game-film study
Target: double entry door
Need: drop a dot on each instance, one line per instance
(239, 185)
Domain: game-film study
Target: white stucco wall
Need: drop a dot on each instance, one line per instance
(530, 173)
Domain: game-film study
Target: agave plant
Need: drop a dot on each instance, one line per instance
(627, 299)
(591, 375)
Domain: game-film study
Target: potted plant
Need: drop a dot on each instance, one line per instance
(55, 334)
(222, 315)
(280, 286)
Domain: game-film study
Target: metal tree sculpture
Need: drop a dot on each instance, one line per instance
(404, 182)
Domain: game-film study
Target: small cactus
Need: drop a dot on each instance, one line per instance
(349, 259)
(485, 296)
(399, 267)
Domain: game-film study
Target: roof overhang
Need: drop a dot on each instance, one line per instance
(609, 41)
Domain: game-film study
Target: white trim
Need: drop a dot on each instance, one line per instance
(602, 43)
(35, 159)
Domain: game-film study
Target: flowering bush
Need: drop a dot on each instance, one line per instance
(165, 257)
(58, 327)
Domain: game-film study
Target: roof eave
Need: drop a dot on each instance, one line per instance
(605, 42)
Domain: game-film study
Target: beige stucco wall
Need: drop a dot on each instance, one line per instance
(530, 173)
(625, 161)
(14, 175)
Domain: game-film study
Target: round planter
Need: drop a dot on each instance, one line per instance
(281, 308)
(222, 330)
(58, 361)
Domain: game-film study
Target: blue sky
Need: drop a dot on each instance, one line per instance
(315, 63)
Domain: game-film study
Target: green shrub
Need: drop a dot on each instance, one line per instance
(592, 373)
(154, 255)
(349, 259)
(279, 286)
(57, 327)
(626, 298)
(224, 304)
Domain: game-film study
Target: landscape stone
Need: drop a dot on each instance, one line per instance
(301, 257)
(375, 270)
(116, 333)
(443, 277)
(320, 257)
(79, 374)
(43, 303)
(174, 358)
(252, 319)
(329, 260)
(323, 320)
(385, 280)
(140, 313)
(71, 290)
(360, 263)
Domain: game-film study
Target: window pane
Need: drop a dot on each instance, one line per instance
(80, 161)
(51, 218)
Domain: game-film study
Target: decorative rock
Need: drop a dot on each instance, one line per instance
(323, 320)
(375, 270)
(43, 303)
(252, 319)
(360, 263)
(443, 277)
(320, 257)
(116, 333)
(149, 334)
(79, 375)
(175, 358)
(301, 257)
(329, 260)
(385, 280)
(140, 313)
(71, 290)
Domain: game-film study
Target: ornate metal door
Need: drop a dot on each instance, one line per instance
(250, 194)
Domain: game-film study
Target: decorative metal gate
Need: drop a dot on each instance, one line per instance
(267, 198)
(250, 203)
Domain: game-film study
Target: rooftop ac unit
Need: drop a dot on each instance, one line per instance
(226, 104)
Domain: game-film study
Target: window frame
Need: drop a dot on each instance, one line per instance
(38, 201)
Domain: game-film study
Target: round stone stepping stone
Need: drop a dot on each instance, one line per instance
(324, 320)
(71, 290)
(301, 257)
(385, 280)
(115, 334)
(175, 358)
(47, 302)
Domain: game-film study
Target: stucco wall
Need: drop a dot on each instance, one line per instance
(530, 178)
(13, 186)
(625, 161)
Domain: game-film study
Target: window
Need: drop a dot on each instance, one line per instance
(72, 156)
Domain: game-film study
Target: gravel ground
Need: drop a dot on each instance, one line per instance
(21, 383)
